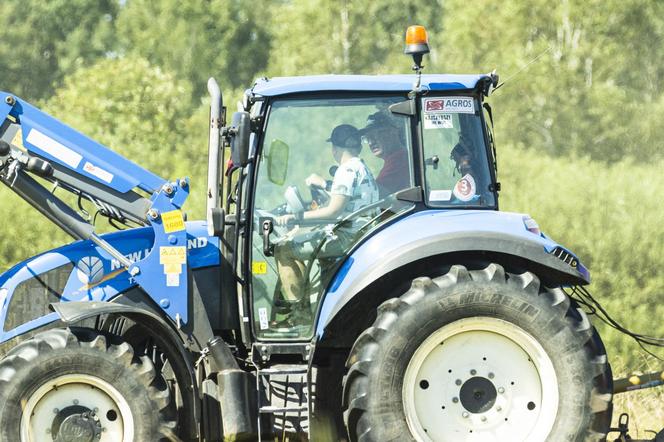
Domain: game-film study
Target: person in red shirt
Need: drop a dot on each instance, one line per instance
(384, 137)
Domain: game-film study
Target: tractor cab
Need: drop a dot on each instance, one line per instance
(330, 161)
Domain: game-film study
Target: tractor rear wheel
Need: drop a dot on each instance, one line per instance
(66, 384)
(478, 355)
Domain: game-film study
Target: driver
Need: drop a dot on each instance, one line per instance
(353, 187)
(466, 189)
(463, 157)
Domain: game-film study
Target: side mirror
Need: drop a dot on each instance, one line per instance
(239, 137)
(277, 162)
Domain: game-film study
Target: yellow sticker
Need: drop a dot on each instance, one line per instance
(172, 268)
(18, 139)
(173, 221)
(259, 267)
(172, 255)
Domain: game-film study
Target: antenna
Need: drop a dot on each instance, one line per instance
(523, 68)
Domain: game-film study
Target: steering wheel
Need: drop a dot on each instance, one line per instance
(319, 197)
(294, 200)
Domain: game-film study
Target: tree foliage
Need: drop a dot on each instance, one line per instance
(343, 37)
(41, 42)
(595, 87)
(144, 122)
(198, 39)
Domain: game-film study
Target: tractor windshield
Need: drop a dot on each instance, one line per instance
(456, 162)
(327, 175)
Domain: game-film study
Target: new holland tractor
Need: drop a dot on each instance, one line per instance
(384, 298)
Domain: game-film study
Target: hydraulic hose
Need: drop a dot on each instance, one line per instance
(50, 206)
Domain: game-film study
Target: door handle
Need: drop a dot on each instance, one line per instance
(268, 227)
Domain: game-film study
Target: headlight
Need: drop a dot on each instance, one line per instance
(531, 225)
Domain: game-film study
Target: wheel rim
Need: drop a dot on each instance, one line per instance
(77, 407)
(480, 379)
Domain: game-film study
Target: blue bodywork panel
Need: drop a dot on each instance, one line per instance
(49, 138)
(363, 83)
(92, 275)
(163, 272)
(420, 235)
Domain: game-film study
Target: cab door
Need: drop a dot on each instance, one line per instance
(294, 146)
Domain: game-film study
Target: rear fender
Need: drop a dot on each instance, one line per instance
(430, 234)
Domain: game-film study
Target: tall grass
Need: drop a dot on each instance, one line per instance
(612, 217)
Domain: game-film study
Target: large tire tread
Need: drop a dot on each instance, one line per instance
(44, 346)
(566, 316)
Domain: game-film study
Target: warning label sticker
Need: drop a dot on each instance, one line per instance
(18, 140)
(172, 259)
(438, 121)
(262, 318)
(173, 221)
(172, 255)
(98, 172)
(259, 267)
(452, 105)
(172, 280)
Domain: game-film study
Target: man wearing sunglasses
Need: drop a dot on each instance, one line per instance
(385, 140)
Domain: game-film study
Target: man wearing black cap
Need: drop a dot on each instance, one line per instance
(383, 136)
(353, 187)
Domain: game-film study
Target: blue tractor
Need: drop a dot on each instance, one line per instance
(354, 280)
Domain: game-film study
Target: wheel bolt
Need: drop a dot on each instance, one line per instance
(473, 372)
(491, 375)
(56, 411)
(455, 399)
(501, 390)
(499, 408)
(75, 401)
(483, 418)
(458, 382)
(465, 414)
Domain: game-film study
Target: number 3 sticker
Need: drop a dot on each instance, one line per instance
(464, 189)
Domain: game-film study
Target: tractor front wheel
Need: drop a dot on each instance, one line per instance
(80, 385)
(478, 355)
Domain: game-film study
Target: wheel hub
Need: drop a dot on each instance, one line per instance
(480, 379)
(478, 394)
(78, 408)
(76, 424)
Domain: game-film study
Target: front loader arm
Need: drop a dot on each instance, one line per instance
(34, 144)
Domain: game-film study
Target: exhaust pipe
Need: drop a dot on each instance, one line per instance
(215, 215)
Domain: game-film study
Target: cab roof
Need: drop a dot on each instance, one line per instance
(271, 87)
